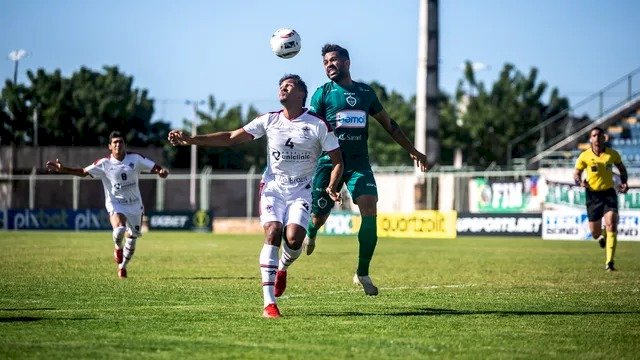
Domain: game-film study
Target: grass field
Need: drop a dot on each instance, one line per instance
(192, 295)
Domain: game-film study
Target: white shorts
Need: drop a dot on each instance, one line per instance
(134, 222)
(294, 208)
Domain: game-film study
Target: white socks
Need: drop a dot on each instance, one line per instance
(288, 256)
(268, 268)
(118, 234)
(129, 249)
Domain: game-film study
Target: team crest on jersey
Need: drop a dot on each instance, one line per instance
(131, 165)
(306, 132)
(351, 100)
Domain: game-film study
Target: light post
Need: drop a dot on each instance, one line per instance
(194, 154)
(16, 56)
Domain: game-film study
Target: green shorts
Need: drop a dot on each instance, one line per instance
(359, 182)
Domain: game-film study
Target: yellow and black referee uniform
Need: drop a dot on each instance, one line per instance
(601, 194)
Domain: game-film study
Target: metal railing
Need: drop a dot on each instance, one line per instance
(622, 94)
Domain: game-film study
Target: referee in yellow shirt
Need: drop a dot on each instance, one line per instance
(602, 200)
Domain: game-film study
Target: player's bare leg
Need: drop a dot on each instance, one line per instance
(291, 250)
(596, 232)
(118, 222)
(269, 267)
(309, 243)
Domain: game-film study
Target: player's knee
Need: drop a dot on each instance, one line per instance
(273, 232)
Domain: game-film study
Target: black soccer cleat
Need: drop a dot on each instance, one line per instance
(602, 241)
(610, 266)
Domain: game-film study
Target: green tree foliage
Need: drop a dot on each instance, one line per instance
(482, 122)
(216, 118)
(383, 150)
(81, 110)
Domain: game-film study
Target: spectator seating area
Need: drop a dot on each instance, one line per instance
(625, 138)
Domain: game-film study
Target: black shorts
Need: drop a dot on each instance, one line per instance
(600, 203)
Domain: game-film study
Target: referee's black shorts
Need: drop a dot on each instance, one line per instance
(600, 203)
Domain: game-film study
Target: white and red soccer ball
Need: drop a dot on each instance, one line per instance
(285, 43)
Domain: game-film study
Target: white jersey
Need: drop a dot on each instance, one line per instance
(294, 147)
(120, 181)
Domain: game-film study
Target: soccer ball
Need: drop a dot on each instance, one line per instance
(285, 43)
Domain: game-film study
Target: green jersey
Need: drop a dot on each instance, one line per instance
(347, 110)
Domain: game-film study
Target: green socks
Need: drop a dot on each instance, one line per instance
(368, 238)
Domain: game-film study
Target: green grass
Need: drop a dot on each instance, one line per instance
(192, 295)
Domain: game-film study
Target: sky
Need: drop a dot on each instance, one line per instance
(188, 50)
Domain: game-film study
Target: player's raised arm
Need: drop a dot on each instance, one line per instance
(57, 167)
(217, 139)
(398, 136)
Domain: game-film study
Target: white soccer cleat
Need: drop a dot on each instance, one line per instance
(366, 283)
(309, 244)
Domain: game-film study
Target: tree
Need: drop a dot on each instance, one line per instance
(482, 122)
(383, 150)
(218, 118)
(81, 110)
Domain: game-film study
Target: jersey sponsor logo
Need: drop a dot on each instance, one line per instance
(347, 137)
(290, 156)
(119, 186)
(291, 180)
(351, 119)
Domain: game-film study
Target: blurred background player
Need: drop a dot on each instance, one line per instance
(346, 104)
(295, 140)
(119, 174)
(602, 199)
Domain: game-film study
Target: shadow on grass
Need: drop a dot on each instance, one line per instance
(16, 319)
(445, 312)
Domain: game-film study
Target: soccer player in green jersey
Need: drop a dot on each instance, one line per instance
(347, 105)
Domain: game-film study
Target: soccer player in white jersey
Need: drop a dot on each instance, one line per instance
(296, 139)
(119, 174)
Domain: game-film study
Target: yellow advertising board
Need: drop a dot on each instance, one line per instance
(419, 224)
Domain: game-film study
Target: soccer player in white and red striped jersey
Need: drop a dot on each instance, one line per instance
(296, 139)
(119, 174)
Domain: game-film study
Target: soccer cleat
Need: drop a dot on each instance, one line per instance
(122, 273)
(117, 256)
(271, 311)
(609, 266)
(602, 241)
(309, 244)
(366, 283)
(281, 282)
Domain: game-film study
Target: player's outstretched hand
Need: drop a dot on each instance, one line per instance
(420, 160)
(163, 173)
(335, 196)
(54, 166)
(623, 188)
(178, 137)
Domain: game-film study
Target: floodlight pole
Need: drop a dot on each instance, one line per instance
(194, 154)
(16, 56)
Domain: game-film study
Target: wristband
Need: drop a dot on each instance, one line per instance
(577, 182)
